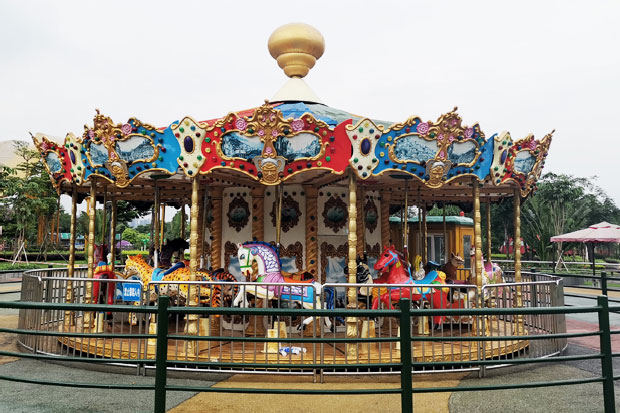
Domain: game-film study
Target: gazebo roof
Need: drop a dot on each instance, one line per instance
(295, 141)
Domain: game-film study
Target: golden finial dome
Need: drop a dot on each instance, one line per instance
(296, 47)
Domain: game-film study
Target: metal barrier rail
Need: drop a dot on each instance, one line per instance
(542, 292)
(404, 314)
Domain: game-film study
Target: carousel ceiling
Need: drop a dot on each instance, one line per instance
(297, 141)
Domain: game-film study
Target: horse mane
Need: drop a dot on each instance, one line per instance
(263, 243)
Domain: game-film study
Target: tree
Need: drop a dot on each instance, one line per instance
(563, 203)
(28, 193)
(173, 228)
(137, 239)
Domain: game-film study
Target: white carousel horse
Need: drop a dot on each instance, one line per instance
(269, 271)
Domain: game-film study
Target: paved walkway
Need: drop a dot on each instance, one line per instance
(18, 397)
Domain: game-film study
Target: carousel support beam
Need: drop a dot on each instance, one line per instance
(312, 232)
(477, 264)
(518, 326)
(351, 322)
(70, 315)
(92, 212)
(113, 231)
(162, 222)
(104, 217)
(155, 224)
(202, 218)
(419, 238)
(191, 324)
(488, 230)
(405, 222)
(445, 233)
(216, 233)
(56, 241)
(361, 228)
(385, 217)
(424, 236)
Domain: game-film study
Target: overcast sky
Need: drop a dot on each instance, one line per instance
(526, 67)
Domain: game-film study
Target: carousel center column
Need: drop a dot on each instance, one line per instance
(312, 243)
(351, 322)
(216, 233)
(477, 265)
(256, 326)
(191, 320)
(92, 211)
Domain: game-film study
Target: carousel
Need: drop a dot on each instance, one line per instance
(290, 205)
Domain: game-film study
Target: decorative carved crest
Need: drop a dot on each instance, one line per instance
(290, 213)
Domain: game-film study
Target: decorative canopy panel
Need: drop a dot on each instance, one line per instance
(298, 141)
(275, 142)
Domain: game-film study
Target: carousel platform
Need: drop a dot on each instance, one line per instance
(335, 353)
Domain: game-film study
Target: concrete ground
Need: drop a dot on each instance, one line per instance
(23, 397)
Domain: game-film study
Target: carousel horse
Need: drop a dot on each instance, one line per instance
(450, 268)
(269, 271)
(394, 270)
(491, 274)
(103, 270)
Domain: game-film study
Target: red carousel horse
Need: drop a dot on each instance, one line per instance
(395, 270)
(103, 270)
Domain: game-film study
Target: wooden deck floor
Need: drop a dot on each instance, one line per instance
(227, 351)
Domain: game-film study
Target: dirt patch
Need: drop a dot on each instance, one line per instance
(8, 342)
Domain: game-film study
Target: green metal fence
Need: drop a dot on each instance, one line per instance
(404, 314)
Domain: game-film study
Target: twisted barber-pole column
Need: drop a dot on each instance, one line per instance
(312, 232)
(351, 322)
(92, 211)
(518, 328)
(191, 325)
(216, 230)
(478, 256)
(361, 247)
(385, 218)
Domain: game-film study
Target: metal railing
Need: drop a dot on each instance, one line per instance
(538, 290)
(405, 363)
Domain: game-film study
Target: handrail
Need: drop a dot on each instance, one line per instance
(404, 313)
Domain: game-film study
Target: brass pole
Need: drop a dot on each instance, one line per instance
(69, 315)
(57, 224)
(418, 249)
(477, 266)
(191, 325)
(518, 328)
(92, 211)
(113, 231)
(103, 216)
(202, 216)
(361, 221)
(162, 222)
(445, 233)
(155, 223)
(405, 222)
(424, 236)
(351, 322)
(489, 230)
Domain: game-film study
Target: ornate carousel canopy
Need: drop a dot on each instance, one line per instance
(297, 139)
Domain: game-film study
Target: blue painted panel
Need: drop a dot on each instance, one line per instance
(53, 162)
(235, 145)
(303, 145)
(524, 162)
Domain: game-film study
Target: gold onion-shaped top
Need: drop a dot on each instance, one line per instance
(296, 47)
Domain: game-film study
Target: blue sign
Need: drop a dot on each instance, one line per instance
(131, 292)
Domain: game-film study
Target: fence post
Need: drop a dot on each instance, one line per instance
(406, 396)
(604, 282)
(606, 361)
(161, 354)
